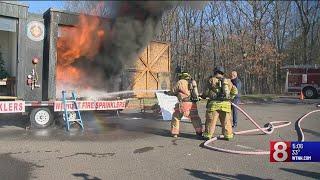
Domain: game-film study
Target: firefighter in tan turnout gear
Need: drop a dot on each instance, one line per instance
(187, 93)
(220, 92)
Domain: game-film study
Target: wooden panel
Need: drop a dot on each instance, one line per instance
(142, 60)
(140, 63)
(162, 65)
(154, 59)
(152, 84)
(140, 86)
(159, 57)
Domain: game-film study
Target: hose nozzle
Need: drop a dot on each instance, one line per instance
(269, 127)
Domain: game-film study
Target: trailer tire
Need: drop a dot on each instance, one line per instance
(310, 92)
(41, 118)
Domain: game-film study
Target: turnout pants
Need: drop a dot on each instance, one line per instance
(211, 120)
(189, 110)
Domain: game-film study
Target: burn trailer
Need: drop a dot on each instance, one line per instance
(28, 48)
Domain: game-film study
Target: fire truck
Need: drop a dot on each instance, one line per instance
(303, 78)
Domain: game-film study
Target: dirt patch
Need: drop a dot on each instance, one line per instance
(143, 150)
(98, 155)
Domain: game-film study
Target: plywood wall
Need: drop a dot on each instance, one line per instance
(151, 71)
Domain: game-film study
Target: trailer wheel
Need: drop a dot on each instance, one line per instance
(41, 118)
(310, 92)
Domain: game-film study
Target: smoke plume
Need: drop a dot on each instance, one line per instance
(131, 27)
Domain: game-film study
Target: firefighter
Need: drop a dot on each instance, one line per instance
(187, 93)
(220, 92)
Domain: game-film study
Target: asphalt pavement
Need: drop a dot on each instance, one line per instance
(139, 146)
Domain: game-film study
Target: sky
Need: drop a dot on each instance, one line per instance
(41, 6)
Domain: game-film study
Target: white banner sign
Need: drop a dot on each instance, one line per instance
(167, 104)
(12, 106)
(91, 105)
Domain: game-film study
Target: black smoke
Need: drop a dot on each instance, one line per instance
(132, 26)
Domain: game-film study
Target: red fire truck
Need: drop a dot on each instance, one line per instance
(305, 78)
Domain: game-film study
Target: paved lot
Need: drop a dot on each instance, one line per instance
(136, 146)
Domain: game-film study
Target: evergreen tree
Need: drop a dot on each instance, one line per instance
(3, 71)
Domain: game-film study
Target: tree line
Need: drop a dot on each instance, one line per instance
(255, 38)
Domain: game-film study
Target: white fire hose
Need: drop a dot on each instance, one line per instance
(267, 130)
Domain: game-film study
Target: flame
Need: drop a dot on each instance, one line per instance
(84, 40)
(74, 43)
(71, 72)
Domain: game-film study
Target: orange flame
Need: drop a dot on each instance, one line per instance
(84, 40)
(68, 74)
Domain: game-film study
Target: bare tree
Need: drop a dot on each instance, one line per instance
(254, 38)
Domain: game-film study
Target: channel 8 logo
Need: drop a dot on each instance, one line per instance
(280, 151)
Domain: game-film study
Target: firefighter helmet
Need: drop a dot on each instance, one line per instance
(184, 75)
(218, 70)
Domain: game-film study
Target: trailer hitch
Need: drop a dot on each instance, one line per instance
(32, 79)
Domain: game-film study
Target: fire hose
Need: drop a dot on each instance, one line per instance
(267, 130)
